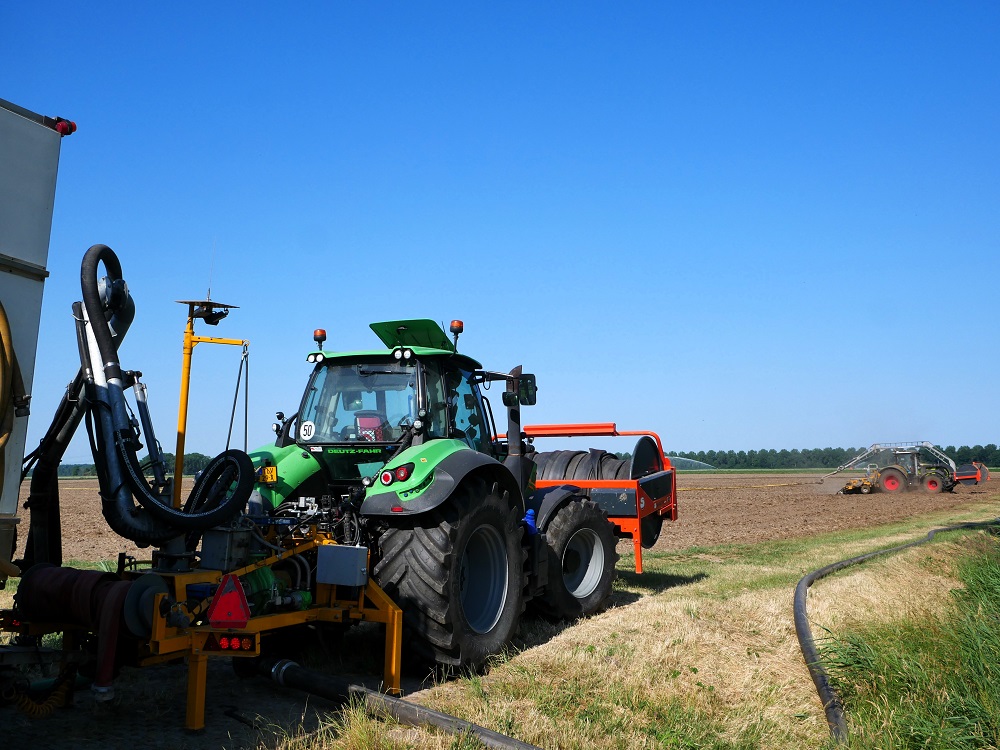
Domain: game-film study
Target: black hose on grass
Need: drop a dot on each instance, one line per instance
(288, 673)
(832, 704)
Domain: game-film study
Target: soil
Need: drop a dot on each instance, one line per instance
(149, 709)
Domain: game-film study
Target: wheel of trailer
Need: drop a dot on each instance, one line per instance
(581, 559)
(650, 526)
(457, 572)
(865, 489)
(933, 483)
(892, 480)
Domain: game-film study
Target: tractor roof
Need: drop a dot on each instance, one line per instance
(424, 337)
(411, 333)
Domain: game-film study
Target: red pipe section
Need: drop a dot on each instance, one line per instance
(82, 598)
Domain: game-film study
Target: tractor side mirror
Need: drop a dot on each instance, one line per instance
(527, 390)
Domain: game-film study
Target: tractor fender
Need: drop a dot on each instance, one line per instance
(294, 466)
(445, 477)
(547, 501)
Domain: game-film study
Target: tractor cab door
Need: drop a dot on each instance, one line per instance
(467, 417)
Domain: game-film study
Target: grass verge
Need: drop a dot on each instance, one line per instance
(928, 681)
(698, 652)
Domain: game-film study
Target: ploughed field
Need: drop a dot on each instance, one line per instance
(713, 509)
(750, 508)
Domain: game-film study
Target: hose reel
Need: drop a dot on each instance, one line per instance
(567, 465)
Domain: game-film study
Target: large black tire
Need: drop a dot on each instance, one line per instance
(933, 482)
(892, 480)
(581, 559)
(457, 572)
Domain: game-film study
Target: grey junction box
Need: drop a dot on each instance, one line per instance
(342, 565)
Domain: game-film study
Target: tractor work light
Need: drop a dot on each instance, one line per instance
(402, 354)
(316, 357)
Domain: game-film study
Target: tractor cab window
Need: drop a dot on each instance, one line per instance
(436, 400)
(453, 405)
(371, 402)
(466, 410)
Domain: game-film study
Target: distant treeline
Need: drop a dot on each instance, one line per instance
(822, 458)
(193, 463)
(769, 458)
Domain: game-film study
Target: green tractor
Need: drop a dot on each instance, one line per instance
(396, 450)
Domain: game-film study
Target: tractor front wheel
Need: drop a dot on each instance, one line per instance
(933, 483)
(457, 572)
(581, 559)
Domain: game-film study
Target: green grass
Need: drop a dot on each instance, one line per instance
(933, 683)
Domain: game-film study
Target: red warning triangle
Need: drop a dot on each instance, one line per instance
(229, 607)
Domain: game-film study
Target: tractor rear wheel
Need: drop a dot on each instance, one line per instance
(892, 480)
(581, 559)
(457, 572)
(933, 483)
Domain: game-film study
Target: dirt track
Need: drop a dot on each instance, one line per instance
(149, 712)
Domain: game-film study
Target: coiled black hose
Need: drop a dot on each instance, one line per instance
(597, 464)
(832, 704)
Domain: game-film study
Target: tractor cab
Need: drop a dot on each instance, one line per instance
(361, 408)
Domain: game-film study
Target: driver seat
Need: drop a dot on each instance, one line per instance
(369, 424)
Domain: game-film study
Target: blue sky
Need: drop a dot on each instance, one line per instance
(742, 225)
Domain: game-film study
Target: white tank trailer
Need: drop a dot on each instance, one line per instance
(29, 159)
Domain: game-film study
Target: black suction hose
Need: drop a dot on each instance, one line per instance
(222, 490)
(832, 704)
(331, 687)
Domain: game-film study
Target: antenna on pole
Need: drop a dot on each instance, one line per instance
(211, 270)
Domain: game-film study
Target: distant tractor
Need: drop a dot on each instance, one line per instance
(899, 467)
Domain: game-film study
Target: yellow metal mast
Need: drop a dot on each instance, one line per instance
(211, 312)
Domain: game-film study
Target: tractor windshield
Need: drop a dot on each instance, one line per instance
(372, 402)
